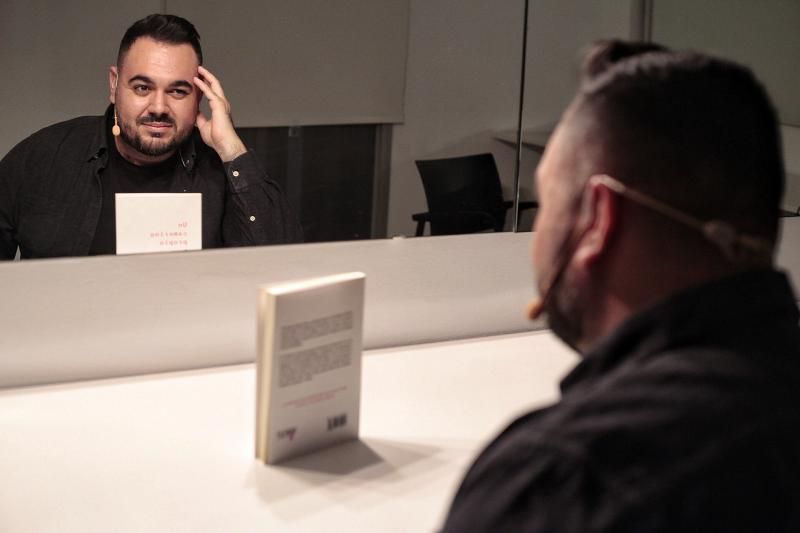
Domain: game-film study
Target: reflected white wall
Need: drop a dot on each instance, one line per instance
(53, 69)
(462, 82)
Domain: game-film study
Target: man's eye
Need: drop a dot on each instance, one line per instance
(179, 93)
(141, 89)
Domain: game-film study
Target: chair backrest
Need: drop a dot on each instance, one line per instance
(463, 184)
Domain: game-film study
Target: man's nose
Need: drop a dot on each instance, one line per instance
(158, 103)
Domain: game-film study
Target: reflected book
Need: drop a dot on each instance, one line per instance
(308, 365)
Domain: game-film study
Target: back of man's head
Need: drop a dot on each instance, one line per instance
(696, 132)
(170, 29)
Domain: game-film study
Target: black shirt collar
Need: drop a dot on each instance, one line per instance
(699, 314)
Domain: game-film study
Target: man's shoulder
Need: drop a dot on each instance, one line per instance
(682, 396)
(686, 407)
(639, 443)
(68, 134)
(77, 125)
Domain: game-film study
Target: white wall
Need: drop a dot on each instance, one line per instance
(53, 68)
(462, 79)
(305, 62)
(462, 82)
(558, 30)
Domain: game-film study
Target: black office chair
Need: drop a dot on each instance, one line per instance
(464, 196)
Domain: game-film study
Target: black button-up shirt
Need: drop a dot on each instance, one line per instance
(51, 195)
(687, 418)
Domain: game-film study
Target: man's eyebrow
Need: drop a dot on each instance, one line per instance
(142, 78)
(182, 83)
(178, 83)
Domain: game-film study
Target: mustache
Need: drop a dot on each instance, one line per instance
(161, 119)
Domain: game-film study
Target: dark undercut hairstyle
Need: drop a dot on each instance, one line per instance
(697, 132)
(164, 29)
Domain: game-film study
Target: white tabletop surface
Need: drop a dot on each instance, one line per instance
(174, 451)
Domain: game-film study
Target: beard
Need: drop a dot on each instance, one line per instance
(564, 311)
(561, 297)
(151, 145)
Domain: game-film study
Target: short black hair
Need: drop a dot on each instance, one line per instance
(696, 131)
(162, 28)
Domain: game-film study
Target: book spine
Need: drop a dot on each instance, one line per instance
(264, 363)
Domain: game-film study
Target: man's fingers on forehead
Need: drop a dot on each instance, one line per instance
(206, 74)
(211, 94)
(203, 86)
(211, 80)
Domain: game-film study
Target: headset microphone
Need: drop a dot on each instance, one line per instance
(115, 131)
(536, 306)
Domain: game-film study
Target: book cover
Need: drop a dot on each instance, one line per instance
(158, 222)
(308, 365)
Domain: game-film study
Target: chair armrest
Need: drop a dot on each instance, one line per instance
(508, 204)
(464, 221)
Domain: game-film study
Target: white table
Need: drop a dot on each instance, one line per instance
(174, 452)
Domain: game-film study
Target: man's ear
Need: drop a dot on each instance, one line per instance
(599, 217)
(113, 78)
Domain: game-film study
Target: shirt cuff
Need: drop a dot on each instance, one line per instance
(239, 170)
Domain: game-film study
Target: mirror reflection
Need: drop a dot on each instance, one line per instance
(345, 105)
(761, 35)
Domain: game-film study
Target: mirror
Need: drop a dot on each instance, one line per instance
(457, 89)
(426, 80)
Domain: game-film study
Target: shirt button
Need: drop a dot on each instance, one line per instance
(252, 219)
(235, 173)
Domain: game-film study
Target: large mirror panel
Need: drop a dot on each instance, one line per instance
(339, 99)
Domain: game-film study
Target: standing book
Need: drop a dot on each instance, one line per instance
(308, 366)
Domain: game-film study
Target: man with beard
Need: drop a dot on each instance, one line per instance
(653, 252)
(57, 187)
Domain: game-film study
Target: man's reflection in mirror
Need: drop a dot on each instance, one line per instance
(58, 186)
